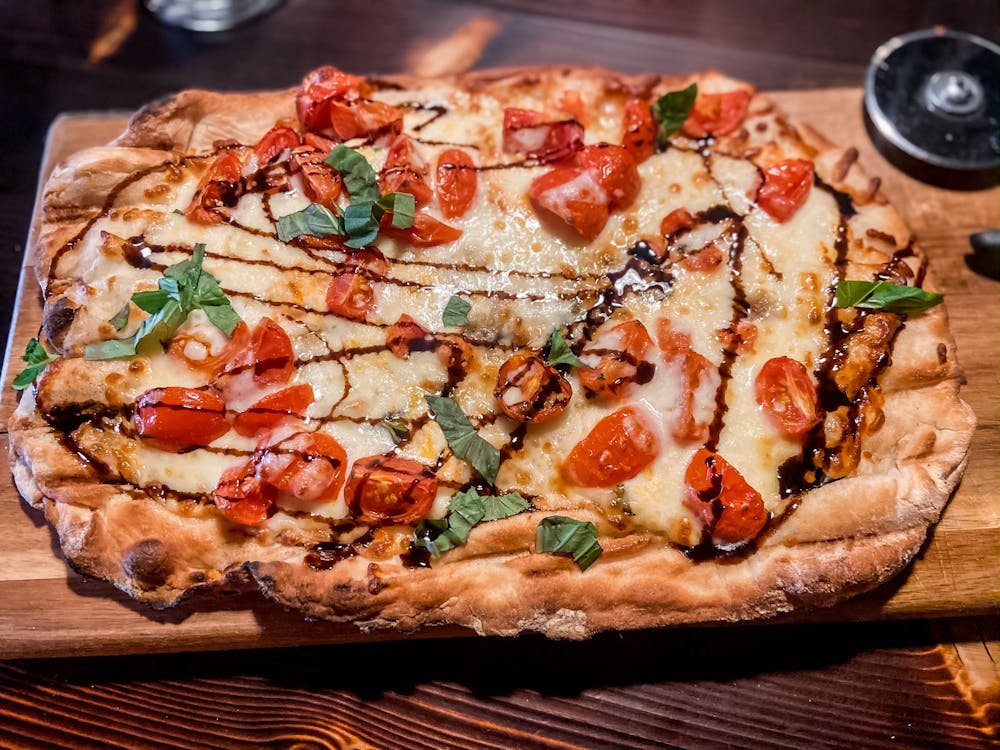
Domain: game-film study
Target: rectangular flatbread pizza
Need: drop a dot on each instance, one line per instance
(532, 349)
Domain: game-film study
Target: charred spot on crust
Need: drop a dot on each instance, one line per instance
(59, 316)
(148, 562)
(942, 353)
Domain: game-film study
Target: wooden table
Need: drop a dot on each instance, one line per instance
(908, 683)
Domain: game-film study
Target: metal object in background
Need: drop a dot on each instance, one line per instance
(932, 106)
(209, 15)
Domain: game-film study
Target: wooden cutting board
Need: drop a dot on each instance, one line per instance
(46, 609)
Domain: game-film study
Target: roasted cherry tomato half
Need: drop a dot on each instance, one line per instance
(268, 357)
(572, 103)
(717, 114)
(273, 409)
(309, 465)
(274, 142)
(699, 377)
(405, 171)
(456, 182)
(640, 130)
(540, 136)
(321, 86)
(386, 490)
(615, 170)
(615, 359)
(618, 447)
(425, 232)
(364, 118)
(575, 196)
(322, 184)
(787, 392)
(406, 336)
(350, 295)
(785, 188)
(531, 390)
(218, 191)
(243, 497)
(675, 221)
(176, 419)
(730, 508)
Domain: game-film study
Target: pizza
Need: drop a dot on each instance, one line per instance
(531, 349)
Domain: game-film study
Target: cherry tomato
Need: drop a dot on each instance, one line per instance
(364, 118)
(268, 356)
(615, 170)
(218, 191)
(730, 508)
(572, 103)
(242, 497)
(717, 114)
(618, 447)
(350, 295)
(273, 409)
(318, 142)
(318, 88)
(785, 188)
(787, 393)
(208, 363)
(574, 196)
(456, 182)
(369, 258)
(322, 184)
(273, 143)
(530, 390)
(404, 171)
(176, 419)
(698, 375)
(704, 260)
(540, 136)
(308, 465)
(425, 232)
(675, 221)
(615, 359)
(640, 130)
(386, 490)
(406, 336)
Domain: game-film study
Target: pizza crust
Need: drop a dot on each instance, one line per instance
(844, 538)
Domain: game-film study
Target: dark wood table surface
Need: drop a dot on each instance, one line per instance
(900, 684)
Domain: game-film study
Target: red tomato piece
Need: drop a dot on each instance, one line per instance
(404, 171)
(615, 359)
(618, 447)
(307, 465)
(675, 221)
(732, 510)
(318, 88)
(318, 142)
(176, 419)
(575, 196)
(218, 191)
(717, 114)
(615, 170)
(698, 375)
(268, 356)
(704, 260)
(208, 363)
(369, 258)
(242, 497)
(387, 490)
(322, 183)
(273, 409)
(350, 295)
(785, 188)
(640, 130)
(364, 118)
(406, 336)
(456, 182)
(540, 136)
(273, 143)
(572, 103)
(787, 392)
(531, 390)
(425, 232)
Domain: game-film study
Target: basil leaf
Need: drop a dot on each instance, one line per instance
(120, 319)
(401, 206)
(314, 220)
(883, 295)
(671, 110)
(360, 224)
(567, 536)
(462, 438)
(223, 317)
(560, 353)
(151, 301)
(37, 359)
(357, 174)
(456, 312)
(398, 431)
(465, 510)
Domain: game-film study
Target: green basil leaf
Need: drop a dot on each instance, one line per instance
(223, 317)
(314, 220)
(401, 206)
(357, 174)
(883, 295)
(560, 353)
(671, 110)
(151, 301)
(120, 319)
(398, 431)
(567, 536)
(462, 438)
(465, 510)
(503, 506)
(37, 359)
(360, 224)
(432, 534)
(456, 312)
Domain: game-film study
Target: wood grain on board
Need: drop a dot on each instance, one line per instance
(48, 610)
